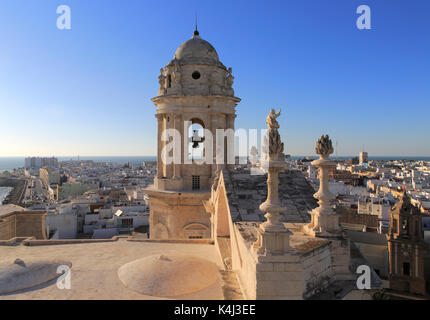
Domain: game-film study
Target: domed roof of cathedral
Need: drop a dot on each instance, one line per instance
(28, 274)
(173, 275)
(196, 50)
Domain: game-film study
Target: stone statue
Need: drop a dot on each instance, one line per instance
(324, 147)
(230, 78)
(271, 121)
(254, 151)
(177, 75)
(162, 82)
(253, 159)
(273, 236)
(273, 147)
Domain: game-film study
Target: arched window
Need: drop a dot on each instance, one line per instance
(196, 231)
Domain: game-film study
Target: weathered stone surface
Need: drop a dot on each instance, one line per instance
(168, 275)
(25, 274)
(95, 265)
(246, 192)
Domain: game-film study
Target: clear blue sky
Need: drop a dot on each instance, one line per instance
(86, 91)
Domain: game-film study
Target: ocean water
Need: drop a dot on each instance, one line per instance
(4, 191)
(10, 163)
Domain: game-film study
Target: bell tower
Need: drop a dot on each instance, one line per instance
(195, 98)
(406, 248)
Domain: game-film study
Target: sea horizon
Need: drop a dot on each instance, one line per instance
(10, 163)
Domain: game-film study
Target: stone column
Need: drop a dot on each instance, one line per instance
(160, 144)
(278, 267)
(179, 127)
(325, 221)
(169, 124)
(213, 126)
(230, 120)
(229, 125)
(273, 236)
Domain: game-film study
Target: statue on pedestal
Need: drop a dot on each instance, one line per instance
(272, 123)
(273, 147)
(176, 76)
(229, 79)
(162, 82)
(273, 235)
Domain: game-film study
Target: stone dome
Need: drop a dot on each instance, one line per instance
(198, 51)
(168, 275)
(28, 274)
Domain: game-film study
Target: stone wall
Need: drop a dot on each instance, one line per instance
(23, 224)
(244, 264)
(377, 256)
(350, 216)
(7, 227)
(280, 278)
(341, 259)
(293, 276)
(318, 272)
(18, 185)
(178, 215)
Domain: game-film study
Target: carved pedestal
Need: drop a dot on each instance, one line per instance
(325, 221)
(273, 236)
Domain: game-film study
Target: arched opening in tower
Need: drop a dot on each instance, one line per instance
(196, 139)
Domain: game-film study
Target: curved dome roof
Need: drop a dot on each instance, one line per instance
(168, 276)
(197, 50)
(29, 274)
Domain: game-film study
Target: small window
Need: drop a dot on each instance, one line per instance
(406, 268)
(196, 182)
(195, 237)
(196, 75)
(169, 81)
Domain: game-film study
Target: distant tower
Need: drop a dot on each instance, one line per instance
(195, 94)
(406, 248)
(363, 157)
